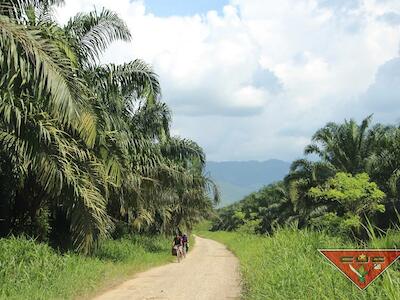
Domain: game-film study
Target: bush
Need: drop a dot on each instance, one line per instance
(250, 226)
(131, 247)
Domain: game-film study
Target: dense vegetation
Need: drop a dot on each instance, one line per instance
(355, 183)
(31, 270)
(85, 148)
(287, 265)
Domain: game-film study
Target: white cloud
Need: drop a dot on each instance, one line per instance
(256, 80)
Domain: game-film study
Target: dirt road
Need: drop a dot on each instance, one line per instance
(209, 272)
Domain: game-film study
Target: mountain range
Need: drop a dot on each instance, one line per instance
(237, 179)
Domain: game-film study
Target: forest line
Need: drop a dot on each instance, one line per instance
(351, 187)
(85, 148)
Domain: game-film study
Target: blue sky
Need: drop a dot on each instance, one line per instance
(165, 8)
(254, 79)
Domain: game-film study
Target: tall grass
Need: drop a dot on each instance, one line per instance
(30, 270)
(287, 265)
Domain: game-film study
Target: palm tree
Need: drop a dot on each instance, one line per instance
(347, 147)
(277, 206)
(43, 104)
(384, 169)
(156, 181)
(303, 175)
(47, 121)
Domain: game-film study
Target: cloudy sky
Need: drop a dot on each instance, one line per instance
(253, 79)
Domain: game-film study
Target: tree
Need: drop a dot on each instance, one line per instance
(260, 212)
(350, 199)
(346, 147)
(303, 175)
(43, 106)
(384, 169)
(87, 145)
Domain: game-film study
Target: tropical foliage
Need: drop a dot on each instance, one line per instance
(354, 184)
(85, 148)
(347, 200)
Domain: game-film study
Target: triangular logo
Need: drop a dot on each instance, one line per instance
(362, 267)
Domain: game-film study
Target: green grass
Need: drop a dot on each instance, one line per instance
(30, 270)
(287, 265)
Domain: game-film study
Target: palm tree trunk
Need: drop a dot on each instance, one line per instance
(4, 215)
(6, 195)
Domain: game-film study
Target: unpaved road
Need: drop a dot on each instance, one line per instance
(209, 272)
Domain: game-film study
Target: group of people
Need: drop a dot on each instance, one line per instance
(180, 246)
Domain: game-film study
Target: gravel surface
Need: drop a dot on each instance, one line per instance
(209, 271)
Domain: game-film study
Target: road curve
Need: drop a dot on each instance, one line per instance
(209, 272)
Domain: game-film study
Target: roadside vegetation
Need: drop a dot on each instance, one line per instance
(354, 184)
(287, 265)
(346, 196)
(31, 270)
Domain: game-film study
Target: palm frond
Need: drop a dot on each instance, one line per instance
(26, 55)
(93, 32)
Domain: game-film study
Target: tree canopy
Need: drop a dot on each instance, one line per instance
(85, 148)
(354, 183)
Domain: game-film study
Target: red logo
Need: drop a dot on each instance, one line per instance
(362, 267)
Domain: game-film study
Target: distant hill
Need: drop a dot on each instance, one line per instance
(237, 179)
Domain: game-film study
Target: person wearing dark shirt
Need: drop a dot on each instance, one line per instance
(185, 244)
(178, 246)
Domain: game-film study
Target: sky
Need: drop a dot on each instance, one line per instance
(254, 79)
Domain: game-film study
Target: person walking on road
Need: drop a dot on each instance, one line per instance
(177, 245)
(185, 244)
